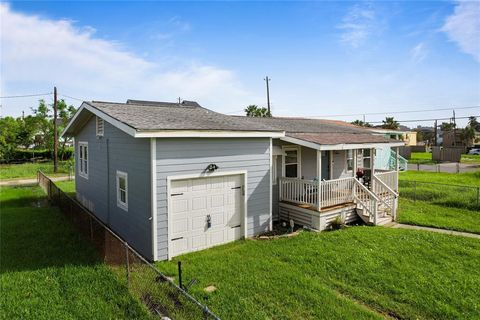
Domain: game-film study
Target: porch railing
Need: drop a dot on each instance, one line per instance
(366, 200)
(299, 191)
(335, 192)
(317, 194)
(386, 195)
(390, 178)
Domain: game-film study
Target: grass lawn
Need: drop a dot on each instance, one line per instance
(430, 215)
(48, 271)
(29, 170)
(356, 273)
(426, 158)
(67, 186)
(466, 178)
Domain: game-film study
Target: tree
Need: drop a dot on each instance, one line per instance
(360, 123)
(256, 111)
(467, 135)
(473, 123)
(8, 137)
(447, 126)
(390, 123)
(64, 114)
(27, 128)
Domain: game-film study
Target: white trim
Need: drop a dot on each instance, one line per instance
(271, 184)
(319, 165)
(153, 162)
(120, 125)
(298, 148)
(202, 175)
(207, 134)
(346, 161)
(97, 120)
(330, 156)
(172, 133)
(120, 204)
(81, 162)
(340, 146)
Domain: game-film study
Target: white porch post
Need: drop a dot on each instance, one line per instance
(355, 164)
(372, 169)
(319, 176)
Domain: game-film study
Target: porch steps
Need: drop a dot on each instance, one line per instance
(382, 218)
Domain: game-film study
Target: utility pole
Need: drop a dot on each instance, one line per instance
(454, 130)
(55, 133)
(267, 80)
(435, 133)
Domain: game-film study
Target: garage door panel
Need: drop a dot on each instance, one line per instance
(217, 237)
(192, 200)
(199, 203)
(217, 201)
(199, 241)
(180, 206)
(198, 223)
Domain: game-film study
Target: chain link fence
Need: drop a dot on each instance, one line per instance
(450, 195)
(155, 290)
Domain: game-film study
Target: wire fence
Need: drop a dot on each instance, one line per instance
(162, 296)
(450, 195)
(427, 165)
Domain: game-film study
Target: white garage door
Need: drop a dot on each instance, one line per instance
(205, 212)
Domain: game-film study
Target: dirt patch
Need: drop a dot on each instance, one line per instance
(280, 230)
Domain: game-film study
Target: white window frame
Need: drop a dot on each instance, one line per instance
(97, 125)
(82, 162)
(351, 158)
(369, 157)
(274, 170)
(120, 203)
(299, 159)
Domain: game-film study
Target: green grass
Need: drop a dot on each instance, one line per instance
(67, 186)
(430, 215)
(467, 178)
(402, 273)
(48, 271)
(29, 170)
(426, 158)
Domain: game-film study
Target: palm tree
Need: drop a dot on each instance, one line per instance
(360, 123)
(255, 111)
(390, 123)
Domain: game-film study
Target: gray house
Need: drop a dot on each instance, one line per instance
(172, 178)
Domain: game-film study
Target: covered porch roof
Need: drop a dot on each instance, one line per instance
(340, 140)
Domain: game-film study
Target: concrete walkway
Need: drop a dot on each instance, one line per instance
(27, 182)
(455, 233)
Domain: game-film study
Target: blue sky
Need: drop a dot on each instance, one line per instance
(324, 58)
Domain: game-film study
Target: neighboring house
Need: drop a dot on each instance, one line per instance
(384, 158)
(171, 178)
(454, 138)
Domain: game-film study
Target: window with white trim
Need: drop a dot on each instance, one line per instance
(100, 127)
(366, 158)
(274, 170)
(350, 160)
(122, 190)
(291, 162)
(83, 159)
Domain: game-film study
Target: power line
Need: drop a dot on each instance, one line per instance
(27, 95)
(395, 112)
(70, 97)
(425, 120)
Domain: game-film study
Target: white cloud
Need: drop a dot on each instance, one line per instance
(357, 25)
(38, 53)
(463, 27)
(419, 52)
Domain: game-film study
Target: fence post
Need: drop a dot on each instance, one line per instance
(415, 191)
(127, 263)
(478, 196)
(418, 166)
(180, 274)
(91, 229)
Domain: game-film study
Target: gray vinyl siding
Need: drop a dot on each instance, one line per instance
(185, 156)
(117, 151)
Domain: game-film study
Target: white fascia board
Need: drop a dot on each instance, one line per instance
(341, 146)
(172, 133)
(207, 134)
(120, 125)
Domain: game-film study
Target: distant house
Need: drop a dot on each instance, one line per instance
(172, 178)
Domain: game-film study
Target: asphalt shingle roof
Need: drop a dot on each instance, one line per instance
(189, 115)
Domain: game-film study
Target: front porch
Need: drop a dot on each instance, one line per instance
(337, 190)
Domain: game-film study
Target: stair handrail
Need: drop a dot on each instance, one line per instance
(401, 159)
(378, 181)
(374, 198)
